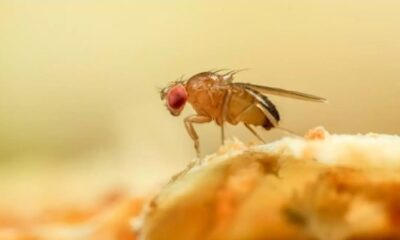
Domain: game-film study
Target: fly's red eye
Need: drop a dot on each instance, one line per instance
(177, 97)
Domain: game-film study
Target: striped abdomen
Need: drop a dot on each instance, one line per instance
(250, 106)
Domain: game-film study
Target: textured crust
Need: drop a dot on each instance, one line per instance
(320, 187)
(107, 219)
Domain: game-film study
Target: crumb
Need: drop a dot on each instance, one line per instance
(318, 133)
(231, 145)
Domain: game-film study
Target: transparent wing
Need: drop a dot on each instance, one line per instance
(282, 92)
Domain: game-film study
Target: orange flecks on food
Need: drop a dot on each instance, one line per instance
(237, 185)
(109, 219)
(231, 145)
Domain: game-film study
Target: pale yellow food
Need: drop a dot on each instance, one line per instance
(319, 187)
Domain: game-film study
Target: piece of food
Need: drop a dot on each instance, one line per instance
(322, 186)
(319, 187)
(106, 220)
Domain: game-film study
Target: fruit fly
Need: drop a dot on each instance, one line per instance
(215, 97)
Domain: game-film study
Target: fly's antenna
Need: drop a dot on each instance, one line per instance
(162, 92)
(229, 75)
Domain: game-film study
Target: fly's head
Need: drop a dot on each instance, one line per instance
(175, 96)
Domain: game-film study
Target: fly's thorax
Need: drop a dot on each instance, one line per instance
(205, 95)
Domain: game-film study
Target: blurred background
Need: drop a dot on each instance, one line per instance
(80, 112)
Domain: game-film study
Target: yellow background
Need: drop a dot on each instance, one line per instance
(79, 105)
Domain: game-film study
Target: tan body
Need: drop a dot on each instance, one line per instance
(215, 97)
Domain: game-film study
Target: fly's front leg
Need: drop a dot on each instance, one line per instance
(224, 110)
(189, 127)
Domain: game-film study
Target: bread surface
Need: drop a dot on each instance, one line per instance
(321, 186)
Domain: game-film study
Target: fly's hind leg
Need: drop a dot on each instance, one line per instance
(189, 127)
(242, 113)
(254, 132)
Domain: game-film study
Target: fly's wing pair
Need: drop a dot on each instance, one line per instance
(282, 92)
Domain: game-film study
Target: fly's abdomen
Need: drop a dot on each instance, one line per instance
(251, 107)
(271, 113)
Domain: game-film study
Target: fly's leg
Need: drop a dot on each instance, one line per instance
(189, 127)
(224, 110)
(222, 133)
(244, 111)
(211, 98)
(289, 131)
(254, 132)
